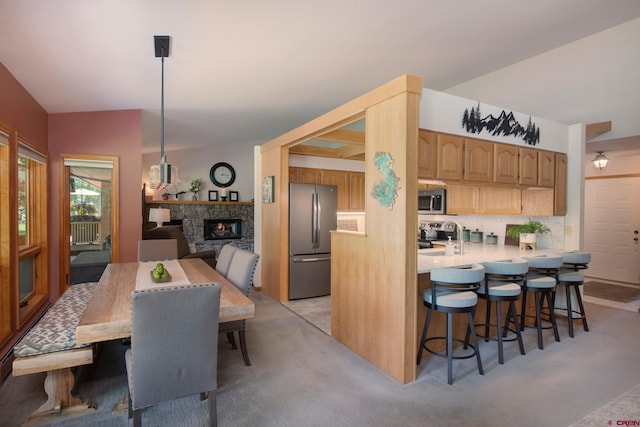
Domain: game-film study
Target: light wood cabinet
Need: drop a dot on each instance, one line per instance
(537, 202)
(294, 175)
(450, 157)
(356, 192)
(427, 152)
(341, 180)
(462, 199)
(499, 201)
(309, 176)
(528, 166)
(560, 187)
(505, 163)
(546, 168)
(478, 160)
(475, 200)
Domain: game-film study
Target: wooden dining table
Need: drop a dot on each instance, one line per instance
(108, 313)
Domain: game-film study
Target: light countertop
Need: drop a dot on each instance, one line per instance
(473, 253)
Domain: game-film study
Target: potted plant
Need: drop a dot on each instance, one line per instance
(527, 232)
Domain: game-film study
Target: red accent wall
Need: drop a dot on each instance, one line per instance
(21, 112)
(105, 133)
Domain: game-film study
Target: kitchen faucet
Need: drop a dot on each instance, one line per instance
(448, 224)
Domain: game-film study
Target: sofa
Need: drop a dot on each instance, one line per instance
(175, 232)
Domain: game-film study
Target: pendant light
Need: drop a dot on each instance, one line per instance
(600, 161)
(162, 175)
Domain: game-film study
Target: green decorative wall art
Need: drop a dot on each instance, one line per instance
(385, 190)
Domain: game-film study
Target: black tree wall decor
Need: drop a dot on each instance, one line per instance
(503, 125)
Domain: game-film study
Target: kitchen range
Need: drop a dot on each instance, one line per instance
(436, 231)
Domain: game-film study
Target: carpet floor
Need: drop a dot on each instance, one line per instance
(300, 376)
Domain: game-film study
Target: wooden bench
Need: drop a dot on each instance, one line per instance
(50, 346)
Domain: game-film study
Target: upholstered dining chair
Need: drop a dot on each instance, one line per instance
(174, 349)
(157, 250)
(224, 259)
(241, 270)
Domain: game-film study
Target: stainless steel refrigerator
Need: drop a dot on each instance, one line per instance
(312, 213)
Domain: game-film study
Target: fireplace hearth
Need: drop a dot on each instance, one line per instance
(222, 229)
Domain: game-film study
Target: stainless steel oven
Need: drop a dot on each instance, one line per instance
(432, 202)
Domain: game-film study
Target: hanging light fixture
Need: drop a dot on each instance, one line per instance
(162, 175)
(600, 160)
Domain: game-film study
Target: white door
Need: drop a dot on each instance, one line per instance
(612, 224)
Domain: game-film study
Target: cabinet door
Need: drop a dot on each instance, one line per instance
(505, 163)
(546, 168)
(560, 187)
(462, 199)
(341, 180)
(528, 164)
(499, 201)
(294, 174)
(450, 154)
(356, 191)
(427, 149)
(478, 160)
(309, 176)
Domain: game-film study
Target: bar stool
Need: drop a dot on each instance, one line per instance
(569, 278)
(452, 292)
(541, 281)
(503, 281)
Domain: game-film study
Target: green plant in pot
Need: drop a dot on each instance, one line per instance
(528, 231)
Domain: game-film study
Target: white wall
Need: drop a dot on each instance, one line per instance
(592, 80)
(196, 163)
(443, 112)
(619, 164)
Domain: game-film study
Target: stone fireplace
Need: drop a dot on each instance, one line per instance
(221, 229)
(193, 216)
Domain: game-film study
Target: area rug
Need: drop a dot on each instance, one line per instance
(611, 292)
(620, 411)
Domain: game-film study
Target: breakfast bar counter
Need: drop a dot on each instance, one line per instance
(473, 253)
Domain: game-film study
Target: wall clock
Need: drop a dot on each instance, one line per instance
(222, 174)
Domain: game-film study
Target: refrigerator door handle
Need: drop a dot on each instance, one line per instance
(317, 259)
(318, 216)
(314, 219)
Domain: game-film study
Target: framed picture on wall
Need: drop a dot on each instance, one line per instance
(267, 189)
(213, 195)
(233, 196)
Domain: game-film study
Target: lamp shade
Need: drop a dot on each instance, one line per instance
(159, 216)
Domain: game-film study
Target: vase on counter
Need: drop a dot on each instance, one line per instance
(194, 197)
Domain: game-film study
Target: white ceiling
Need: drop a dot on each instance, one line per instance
(249, 71)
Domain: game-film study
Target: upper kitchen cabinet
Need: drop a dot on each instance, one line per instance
(427, 149)
(560, 187)
(505, 163)
(450, 157)
(341, 180)
(356, 192)
(478, 160)
(546, 168)
(528, 166)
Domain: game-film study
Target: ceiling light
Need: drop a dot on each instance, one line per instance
(600, 160)
(162, 175)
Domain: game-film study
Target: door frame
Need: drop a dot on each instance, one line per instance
(65, 212)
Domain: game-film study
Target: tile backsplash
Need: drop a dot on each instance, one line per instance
(497, 224)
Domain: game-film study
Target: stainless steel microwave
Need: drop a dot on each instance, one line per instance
(432, 202)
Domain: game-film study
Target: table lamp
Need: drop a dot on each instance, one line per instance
(159, 216)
